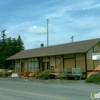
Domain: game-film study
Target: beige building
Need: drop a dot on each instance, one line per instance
(56, 58)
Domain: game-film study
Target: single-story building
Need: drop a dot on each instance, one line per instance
(56, 58)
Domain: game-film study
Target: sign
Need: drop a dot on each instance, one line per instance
(96, 56)
(14, 75)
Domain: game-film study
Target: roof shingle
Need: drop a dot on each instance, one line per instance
(68, 48)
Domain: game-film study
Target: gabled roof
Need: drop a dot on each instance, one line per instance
(68, 48)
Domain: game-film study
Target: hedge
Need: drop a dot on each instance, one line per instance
(94, 78)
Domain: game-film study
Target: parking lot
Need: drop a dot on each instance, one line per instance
(31, 89)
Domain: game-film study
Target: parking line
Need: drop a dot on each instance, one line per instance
(43, 95)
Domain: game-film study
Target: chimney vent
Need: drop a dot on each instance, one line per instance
(42, 45)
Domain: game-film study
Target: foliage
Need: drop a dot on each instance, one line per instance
(1, 74)
(8, 47)
(20, 43)
(47, 75)
(26, 74)
(11, 65)
(37, 71)
(94, 78)
(52, 76)
(43, 75)
(5, 74)
(60, 76)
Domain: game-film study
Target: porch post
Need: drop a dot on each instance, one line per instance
(63, 61)
(85, 64)
(55, 61)
(48, 66)
(75, 60)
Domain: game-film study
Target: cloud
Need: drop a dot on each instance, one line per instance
(78, 18)
(36, 30)
(92, 7)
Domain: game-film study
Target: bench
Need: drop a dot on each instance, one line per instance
(73, 72)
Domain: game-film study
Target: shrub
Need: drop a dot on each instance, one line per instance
(26, 74)
(94, 78)
(6, 74)
(43, 75)
(1, 74)
(36, 73)
(60, 76)
(52, 76)
(9, 73)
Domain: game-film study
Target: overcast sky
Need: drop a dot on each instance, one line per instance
(67, 18)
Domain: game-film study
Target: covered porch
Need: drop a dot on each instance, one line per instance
(52, 64)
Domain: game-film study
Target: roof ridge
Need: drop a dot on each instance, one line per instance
(62, 44)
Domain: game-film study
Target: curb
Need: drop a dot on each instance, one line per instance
(47, 81)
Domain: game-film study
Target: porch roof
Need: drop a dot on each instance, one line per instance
(68, 48)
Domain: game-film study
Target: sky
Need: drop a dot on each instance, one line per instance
(67, 18)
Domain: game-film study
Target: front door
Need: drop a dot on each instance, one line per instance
(22, 67)
(45, 66)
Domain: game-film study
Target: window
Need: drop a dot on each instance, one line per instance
(18, 67)
(32, 65)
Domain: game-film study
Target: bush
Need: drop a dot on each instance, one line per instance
(94, 78)
(52, 76)
(6, 74)
(36, 73)
(1, 74)
(43, 75)
(60, 76)
(26, 74)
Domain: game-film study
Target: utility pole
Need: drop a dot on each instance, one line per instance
(47, 33)
(72, 38)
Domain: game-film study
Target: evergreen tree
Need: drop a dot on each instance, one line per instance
(8, 47)
(3, 49)
(20, 43)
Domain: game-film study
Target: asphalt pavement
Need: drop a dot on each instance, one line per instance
(34, 89)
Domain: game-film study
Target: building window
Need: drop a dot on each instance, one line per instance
(32, 65)
(18, 67)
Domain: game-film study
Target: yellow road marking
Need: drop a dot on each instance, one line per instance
(43, 95)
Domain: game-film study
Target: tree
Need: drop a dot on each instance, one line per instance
(3, 36)
(3, 49)
(8, 47)
(20, 43)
